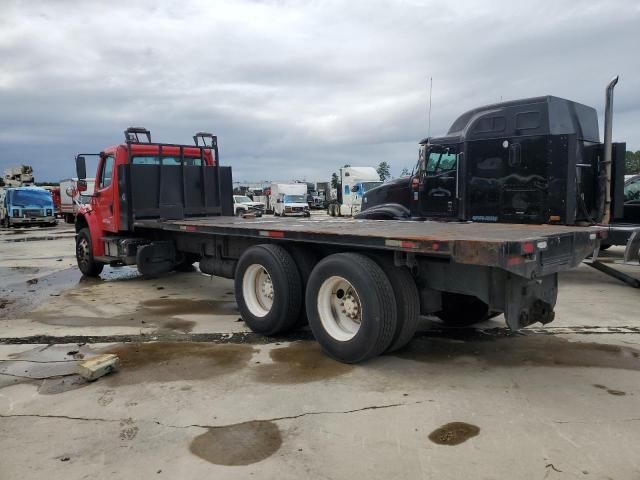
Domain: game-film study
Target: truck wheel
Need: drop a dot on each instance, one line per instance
(268, 289)
(84, 255)
(351, 307)
(460, 310)
(407, 302)
(238, 212)
(69, 218)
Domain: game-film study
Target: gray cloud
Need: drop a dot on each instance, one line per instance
(295, 89)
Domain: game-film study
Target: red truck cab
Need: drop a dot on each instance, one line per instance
(155, 167)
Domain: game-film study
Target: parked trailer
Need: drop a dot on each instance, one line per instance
(361, 284)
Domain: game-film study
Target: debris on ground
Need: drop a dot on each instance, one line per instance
(99, 366)
(32, 281)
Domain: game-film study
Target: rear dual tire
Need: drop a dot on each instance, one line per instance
(351, 307)
(268, 289)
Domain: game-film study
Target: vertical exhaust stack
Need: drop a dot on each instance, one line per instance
(608, 149)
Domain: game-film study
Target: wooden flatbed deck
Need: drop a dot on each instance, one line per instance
(465, 242)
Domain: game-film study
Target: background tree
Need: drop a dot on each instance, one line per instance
(632, 163)
(384, 170)
(405, 172)
(334, 180)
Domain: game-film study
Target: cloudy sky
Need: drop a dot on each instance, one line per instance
(296, 89)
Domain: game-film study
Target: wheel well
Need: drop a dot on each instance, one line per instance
(81, 223)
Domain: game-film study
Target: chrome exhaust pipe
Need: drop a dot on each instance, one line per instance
(608, 149)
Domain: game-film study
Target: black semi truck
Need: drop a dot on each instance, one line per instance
(531, 161)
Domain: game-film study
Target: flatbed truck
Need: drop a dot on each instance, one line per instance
(360, 284)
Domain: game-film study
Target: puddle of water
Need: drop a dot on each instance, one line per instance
(299, 362)
(173, 361)
(156, 312)
(26, 297)
(37, 239)
(239, 444)
(610, 391)
(454, 433)
(177, 306)
(52, 367)
(30, 270)
(530, 350)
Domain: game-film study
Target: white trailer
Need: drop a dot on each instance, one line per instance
(71, 199)
(354, 182)
(289, 199)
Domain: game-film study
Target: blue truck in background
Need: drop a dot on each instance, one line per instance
(26, 206)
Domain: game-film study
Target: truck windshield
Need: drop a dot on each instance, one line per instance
(151, 160)
(28, 198)
(242, 199)
(295, 199)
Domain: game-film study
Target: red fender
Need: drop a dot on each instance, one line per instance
(88, 217)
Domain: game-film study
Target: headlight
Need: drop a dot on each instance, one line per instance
(49, 212)
(16, 213)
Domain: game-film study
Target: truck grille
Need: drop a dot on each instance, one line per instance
(33, 212)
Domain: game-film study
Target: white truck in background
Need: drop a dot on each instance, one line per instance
(71, 199)
(354, 183)
(289, 199)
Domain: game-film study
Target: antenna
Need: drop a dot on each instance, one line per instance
(430, 90)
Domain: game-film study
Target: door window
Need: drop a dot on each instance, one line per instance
(632, 191)
(440, 162)
(106, 172)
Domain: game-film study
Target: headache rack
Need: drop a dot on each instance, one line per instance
(174, 190)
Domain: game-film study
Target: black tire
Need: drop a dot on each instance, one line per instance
(84, 255)
(376, 306)
(460, 310)
(276, 214)
(306, 259)
(69, 218)
(239, 212)
(286, 289)
(407, 302)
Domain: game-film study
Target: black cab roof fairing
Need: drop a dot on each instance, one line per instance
(546, 115)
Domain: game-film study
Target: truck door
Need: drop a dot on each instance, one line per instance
(438, 189)
(104, 194)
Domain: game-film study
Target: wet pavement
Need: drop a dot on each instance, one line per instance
(199, 396)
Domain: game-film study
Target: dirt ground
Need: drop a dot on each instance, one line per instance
(199, 396)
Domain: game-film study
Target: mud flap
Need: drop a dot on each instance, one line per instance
(530, 301)
(156, 258)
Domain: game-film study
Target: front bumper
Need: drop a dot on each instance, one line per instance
(32, 220)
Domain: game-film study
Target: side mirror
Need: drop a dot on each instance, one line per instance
(81, 168)
(355, 189)
(279, 201)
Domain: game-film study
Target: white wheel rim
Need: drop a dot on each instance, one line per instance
(257, 290)
(339, 308)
